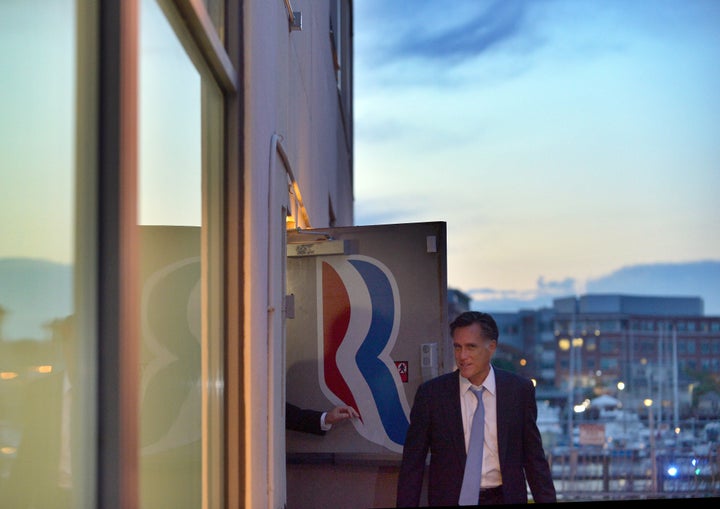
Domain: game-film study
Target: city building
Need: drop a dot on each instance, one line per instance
(654, 347)
(527, 345)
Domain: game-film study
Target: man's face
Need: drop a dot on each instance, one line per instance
(473, 353)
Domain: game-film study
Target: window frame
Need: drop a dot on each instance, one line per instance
(107, 106)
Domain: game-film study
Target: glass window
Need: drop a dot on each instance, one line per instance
(590, 344)
(609, 325)
(180, 216)
(216, 11)
(608, 363)
(607, 346)
(46, 441)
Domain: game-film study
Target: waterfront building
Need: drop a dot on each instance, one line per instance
(653, 346)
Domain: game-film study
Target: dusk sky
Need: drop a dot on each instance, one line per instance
(566, 143)
(561, 140)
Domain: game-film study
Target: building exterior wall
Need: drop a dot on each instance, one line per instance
(294, 129)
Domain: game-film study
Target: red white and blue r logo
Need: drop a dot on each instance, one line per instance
(358, 321)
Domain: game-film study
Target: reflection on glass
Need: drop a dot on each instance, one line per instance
(216, 11)
(170, 215)
(37, 335)
(42, 444)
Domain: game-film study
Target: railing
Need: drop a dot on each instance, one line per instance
(589, 475)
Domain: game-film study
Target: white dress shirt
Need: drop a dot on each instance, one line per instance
(468, 403)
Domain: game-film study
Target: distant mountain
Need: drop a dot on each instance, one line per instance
(694, 279)
(32, 293)
(691, 279)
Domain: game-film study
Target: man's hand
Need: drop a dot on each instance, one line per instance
(340, 413)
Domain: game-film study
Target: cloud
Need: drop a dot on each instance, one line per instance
(466, 38)
(553, 288)
(491, 299)
(499, 22)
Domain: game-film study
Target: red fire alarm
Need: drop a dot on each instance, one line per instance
(402, 367)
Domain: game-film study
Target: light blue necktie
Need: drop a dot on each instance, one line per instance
(470, 492)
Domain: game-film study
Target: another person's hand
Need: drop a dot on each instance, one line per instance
(339, 414)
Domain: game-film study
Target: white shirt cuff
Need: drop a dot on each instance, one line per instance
(323, 426)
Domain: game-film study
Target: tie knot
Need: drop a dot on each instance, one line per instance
(478, 392)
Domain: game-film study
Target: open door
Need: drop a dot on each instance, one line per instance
(367, 323)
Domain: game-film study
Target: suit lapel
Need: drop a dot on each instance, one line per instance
(503, 419)
(452, 410)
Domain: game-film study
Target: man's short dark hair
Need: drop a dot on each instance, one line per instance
(487, 323)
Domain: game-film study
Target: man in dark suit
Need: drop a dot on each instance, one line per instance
(313, 421)
(440, 423)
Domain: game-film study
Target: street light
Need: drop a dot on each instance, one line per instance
(621, 388)
(574, 344)
(653, 460)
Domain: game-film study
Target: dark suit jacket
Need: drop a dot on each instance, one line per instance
(436, 426)
(300, 419)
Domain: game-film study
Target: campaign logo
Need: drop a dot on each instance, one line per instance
(358, 321)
